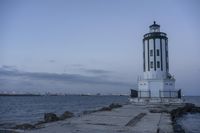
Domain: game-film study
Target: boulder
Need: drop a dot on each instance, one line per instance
(50, 117)
(24, 126)
(110, 107)
(39, 123)
(66, 115)
(115, 105)
(89, 111)
(105, 109)
(188, 108)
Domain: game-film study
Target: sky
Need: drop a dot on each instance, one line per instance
(93, 46)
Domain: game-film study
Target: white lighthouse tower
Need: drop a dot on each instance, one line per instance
(157, 81)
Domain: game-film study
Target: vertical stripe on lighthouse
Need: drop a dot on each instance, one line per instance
(154, 50)
(167, 53)
(144, 56)
(166, 61)
(148, 53)
(161, 55)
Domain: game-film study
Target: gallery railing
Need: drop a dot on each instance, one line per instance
(162, 94)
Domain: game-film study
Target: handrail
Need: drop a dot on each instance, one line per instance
(151, 34)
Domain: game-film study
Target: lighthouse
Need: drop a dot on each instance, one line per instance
(156, 81)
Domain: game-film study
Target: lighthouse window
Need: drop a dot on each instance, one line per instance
(151, 52)
(158, 52)
(151, 64)
(158, 64)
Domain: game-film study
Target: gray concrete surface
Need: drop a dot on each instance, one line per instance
(115, 121)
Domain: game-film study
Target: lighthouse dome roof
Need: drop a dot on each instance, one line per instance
(154, 25)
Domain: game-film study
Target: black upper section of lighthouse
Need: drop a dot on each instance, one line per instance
(154, 25)
(154, 32)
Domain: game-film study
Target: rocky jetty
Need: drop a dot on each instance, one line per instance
(115, 105)
(110, 107)
(7, 131)
(179, 112)
(24, 126)
(52, 117)
(48, 117)
(66, 115)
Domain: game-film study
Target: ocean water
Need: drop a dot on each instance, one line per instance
(191, 122)
(30, 109)
(192, 99)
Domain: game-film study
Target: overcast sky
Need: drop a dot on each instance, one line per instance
(93, 46)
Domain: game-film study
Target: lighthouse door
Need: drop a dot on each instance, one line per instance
(154, 87)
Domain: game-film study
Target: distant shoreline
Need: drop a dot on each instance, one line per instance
(20, 95)
(57, 95)
(72, 95)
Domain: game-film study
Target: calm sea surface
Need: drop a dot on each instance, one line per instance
(30, 109)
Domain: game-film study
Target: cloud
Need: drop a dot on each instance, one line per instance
(5, 67)
(96, 71)
(52, 61)
(14, 78)
(77, 65)
(87, 70)
(81, 68)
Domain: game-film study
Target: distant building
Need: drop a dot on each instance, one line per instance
(156, 81)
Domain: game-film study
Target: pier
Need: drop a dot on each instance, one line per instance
(131, 118)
